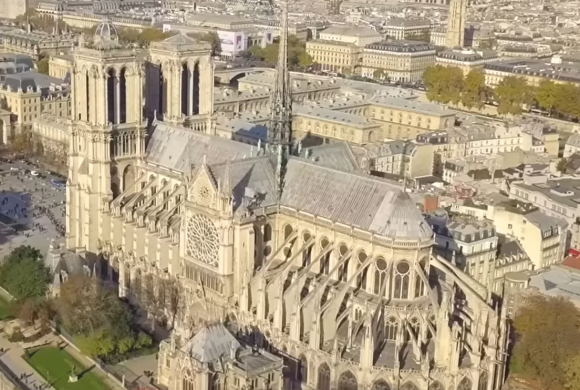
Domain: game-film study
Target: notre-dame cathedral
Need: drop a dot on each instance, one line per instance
(288, 273)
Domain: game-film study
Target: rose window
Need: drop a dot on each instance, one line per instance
(202, 240)
(203, 195)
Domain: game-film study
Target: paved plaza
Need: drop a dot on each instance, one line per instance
(32, 209)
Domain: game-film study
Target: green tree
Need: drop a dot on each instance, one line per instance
(305, 60)
(40, 21)
(24, 274)
(380, 74)
(142, 38)
(567, 100)
(444, 84)
(102, 324)
(86, 305)
(546, 95)
(474, 91)
(210, 37)
(98, 344)
(571, 369)
(256, 51)
(547, 336)
(512, 93)
(42, 66)
(270, 53)
(562, 165)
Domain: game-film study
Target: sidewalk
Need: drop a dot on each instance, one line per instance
(12, 358)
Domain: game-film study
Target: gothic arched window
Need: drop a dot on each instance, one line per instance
(303, 369)
(401, 285)
(380, 274)
(361, 279)
(391, 328)
(267, 232)
(465, 384)
(325, 260)
(187, 382)
(307, 252)
(409, 386)
(381, 384)
(347, 381)
(419, 285)
(482, 385)
(436, 386)
(323, 377)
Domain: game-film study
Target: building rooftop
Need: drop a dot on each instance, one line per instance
(333, 116)
(565, 71)
(564, 191)
(406, 22)
(411, 105)
(402, 46)
(358, 31)
(331, 42)
(467, 55)
(30, 79)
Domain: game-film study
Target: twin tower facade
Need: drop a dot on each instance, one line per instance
(118, 92)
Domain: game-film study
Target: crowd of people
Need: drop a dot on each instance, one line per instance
(17, 207)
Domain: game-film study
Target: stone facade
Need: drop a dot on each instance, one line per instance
(330, 269)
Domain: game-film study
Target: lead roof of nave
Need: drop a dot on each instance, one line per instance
(357, 200)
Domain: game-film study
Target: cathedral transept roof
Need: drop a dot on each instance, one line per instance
(211, 343)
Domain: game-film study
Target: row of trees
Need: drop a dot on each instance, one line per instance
(297, 56)
(39, 21)
(547, 343)
(449, 85)
(512, 95)
(103, 325)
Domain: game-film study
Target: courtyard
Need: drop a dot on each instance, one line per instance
(55, 365)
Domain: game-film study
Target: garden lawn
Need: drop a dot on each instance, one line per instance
(55, 366)
(5, 309)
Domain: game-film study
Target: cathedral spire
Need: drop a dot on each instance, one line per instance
(281, 106)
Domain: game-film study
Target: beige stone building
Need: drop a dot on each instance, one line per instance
(406, 119)
(534, 71)
(468, 243)
(27, 96)
(404, 61)
(335, 56)
(403, 159)
(466, 59)
(360, 36)
(406, 28)
(312, 122)
(542, 237)
(60, 65)
(312, 259)
(34, 43)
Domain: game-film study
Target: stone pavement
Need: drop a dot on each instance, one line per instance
(20, 194)
(12, 358)
(134, 369)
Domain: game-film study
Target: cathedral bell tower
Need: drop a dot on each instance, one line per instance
(180, 80)
(108, 133)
